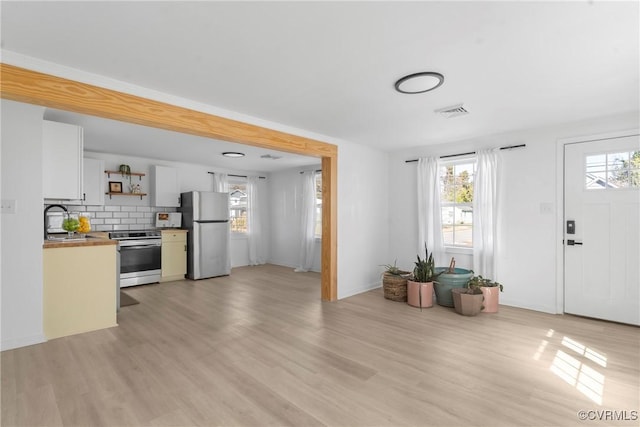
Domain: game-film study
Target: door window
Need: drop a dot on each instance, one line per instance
(610, 171)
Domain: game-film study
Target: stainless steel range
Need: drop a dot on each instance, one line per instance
(140, 256)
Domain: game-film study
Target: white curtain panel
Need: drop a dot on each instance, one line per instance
(307, 223)
(254, 221)
(429, 212)
(485, 213)
(220, 182)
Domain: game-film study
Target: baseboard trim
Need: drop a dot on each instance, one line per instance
(360, 290)
(518, 304)
(285, 264)
(10, 344)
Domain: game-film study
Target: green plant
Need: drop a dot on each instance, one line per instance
(393, 269)
(425, 269)
(477, 282)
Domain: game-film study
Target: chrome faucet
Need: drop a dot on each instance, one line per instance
(45, 216)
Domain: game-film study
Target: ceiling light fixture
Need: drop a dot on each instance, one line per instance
(419, 82)
(233, 154)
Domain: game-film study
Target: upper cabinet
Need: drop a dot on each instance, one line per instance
(165, 187)
(93, 182)
(62, 146)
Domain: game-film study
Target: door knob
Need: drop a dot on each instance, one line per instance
(573, 243)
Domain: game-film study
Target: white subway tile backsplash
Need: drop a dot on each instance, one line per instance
(112, 217)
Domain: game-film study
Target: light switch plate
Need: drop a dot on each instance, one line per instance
(546, 208)
(8, 206)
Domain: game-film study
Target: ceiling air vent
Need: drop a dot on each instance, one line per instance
(453, 111)
(270, 156)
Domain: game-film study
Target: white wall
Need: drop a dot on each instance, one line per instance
(21, 235)
(285, 188)
(528, 254)
(363, 217)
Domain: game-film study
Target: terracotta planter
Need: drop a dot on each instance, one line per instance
(448, 281)
(466, 304)
(420, 294)
(491, 298)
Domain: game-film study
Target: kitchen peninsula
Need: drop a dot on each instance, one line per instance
(79, 286)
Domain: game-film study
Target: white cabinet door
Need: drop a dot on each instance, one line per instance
(93, 182)
(61, 161)
(165, 188)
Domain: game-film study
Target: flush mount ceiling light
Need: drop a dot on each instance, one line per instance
(233, 154)
(419, 82)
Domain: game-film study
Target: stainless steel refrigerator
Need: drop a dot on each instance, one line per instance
(205, 215)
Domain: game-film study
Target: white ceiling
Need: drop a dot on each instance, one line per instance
(329, 67)
(110, 136)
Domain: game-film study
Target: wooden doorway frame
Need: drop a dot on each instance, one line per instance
(23, 85)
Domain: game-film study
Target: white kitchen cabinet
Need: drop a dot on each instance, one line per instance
(93, 182)
(165, 187)
(174, 255)
(62, 146)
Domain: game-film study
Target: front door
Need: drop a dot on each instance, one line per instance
(602, 229)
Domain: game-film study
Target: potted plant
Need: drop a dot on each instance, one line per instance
(467, 301)
(491, 291)
(420, 284)
(448, 279)
(394, 283)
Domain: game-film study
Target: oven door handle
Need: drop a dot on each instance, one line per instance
(131, 244)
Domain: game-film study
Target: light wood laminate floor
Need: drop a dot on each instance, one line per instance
(259, 348)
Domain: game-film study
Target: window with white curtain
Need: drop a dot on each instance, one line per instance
(456, 199)
(318, 205)
(238, 207)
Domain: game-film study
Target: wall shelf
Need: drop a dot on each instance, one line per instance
(126, 194)
(122, 174)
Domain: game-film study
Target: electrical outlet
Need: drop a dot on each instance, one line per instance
(8, 206)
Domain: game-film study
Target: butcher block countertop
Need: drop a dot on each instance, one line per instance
(93, 239)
